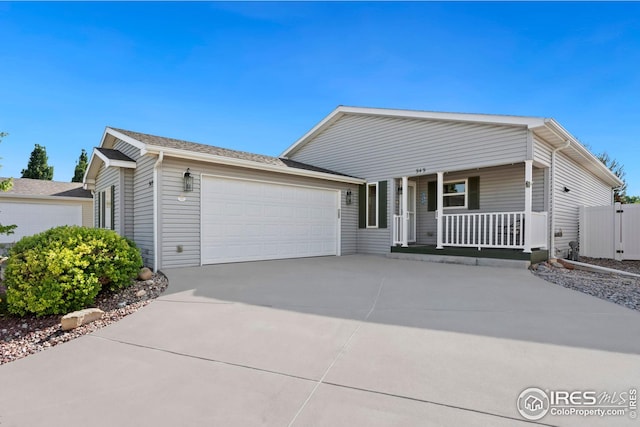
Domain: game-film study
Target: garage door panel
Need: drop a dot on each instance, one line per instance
(247, 221)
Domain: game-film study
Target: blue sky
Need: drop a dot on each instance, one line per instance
(256, 76)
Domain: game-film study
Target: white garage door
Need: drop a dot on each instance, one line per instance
(32, 218)
(246, 220)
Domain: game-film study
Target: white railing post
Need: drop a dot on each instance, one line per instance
(405, 213)
(528, 201)
(397, 229)
(439, 211)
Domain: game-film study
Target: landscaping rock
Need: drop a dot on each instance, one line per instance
(623, 290)
(556, 264)
(45, 332)
(542, 268)
(145, 274)
(566, 265)
(81, 317)
(141, 293)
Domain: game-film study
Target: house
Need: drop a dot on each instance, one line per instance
(363, 180)
(36, 205)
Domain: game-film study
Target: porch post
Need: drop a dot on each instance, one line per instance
(405, 213)
(439, 211)
(528, 197)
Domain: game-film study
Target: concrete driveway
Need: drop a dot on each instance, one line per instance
(347, 341)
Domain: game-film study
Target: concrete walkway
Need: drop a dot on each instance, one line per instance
(347, 341)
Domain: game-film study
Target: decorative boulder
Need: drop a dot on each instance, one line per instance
(81, 317)
(145, 274)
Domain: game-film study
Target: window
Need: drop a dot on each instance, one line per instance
(455, 194)
(106, 208)
(372, 205)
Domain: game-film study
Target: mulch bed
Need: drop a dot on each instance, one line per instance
(22, 336)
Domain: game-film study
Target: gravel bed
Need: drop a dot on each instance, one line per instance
(620, 289)
(22, 336)
(629, 266)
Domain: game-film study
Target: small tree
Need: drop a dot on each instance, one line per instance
(81, 167)
(631, 199)
(37, 168)
(5, 185)
(618, 169)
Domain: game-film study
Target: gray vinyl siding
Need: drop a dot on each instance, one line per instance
(105, 179)
(180, 221)
(378, 240)
(541, 152)
(501, 190)
(585, 190)
(128, 202)
(370, 147)
(143, 208)
(128, 149)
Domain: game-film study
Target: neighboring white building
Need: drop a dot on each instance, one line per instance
(36, 205)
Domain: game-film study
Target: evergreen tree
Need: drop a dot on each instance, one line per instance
(37, 168)
(81, 167)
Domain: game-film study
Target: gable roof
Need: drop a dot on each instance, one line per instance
(178, 144)
(547, 129)
(112, 154)
(26, 187)
(155, 144)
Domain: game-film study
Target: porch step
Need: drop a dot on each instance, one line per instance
(463, 260)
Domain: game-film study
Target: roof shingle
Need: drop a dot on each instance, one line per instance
(112, 154)
(179, 144)
(41, 187)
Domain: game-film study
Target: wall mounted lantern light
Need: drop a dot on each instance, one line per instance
(347, 197)
(188, 181)
(566, 190)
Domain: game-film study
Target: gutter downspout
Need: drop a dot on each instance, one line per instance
(552, 248)
(155, 209)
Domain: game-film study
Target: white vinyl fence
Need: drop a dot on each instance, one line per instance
(610, 231)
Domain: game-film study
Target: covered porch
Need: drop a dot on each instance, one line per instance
(498, 208)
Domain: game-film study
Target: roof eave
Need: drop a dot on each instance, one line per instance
(229, 161)
(564, 136)
(45, 197)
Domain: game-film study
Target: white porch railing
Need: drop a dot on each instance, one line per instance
(539, 230)
(493, 230)
(398, 223)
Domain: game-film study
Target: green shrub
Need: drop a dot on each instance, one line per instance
(63, 269)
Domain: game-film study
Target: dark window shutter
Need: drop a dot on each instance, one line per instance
(474, 193)
(362, 206)
(432, 202)
(382, 204)
(98, 210)
(102, 208)
(113, 207)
